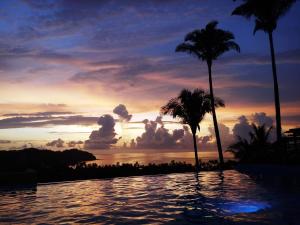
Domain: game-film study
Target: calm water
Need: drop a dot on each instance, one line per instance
(151, 156)
(210, 198)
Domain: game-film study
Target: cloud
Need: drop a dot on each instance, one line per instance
(243, 127)
(46, 114)
(83, 41)
(59, 143)
(73, 144)
(5, 141)
(262, 119)
(122, 112)
(157, 137)
(132, 144)
(225, 134)
(105, 137)
(46, 120)
(285, 57)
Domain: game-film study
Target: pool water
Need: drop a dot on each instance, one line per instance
(227, 197)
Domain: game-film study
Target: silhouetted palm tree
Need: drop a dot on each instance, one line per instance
(191, 108)
(208, 44)
(260, 135)
(266, 14)
(255, 149)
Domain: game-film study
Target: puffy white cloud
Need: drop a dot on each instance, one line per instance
(105, 137)
(122, 112)
(157, 137)
(59, 143)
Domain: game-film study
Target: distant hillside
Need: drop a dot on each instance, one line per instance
(41, 159)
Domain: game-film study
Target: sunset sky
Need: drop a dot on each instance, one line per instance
(66, 63)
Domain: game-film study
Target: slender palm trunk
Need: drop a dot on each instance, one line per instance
(219, 145)
(276, 89)
(196, 151)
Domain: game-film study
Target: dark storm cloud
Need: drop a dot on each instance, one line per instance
(105, 137)
(42, 121)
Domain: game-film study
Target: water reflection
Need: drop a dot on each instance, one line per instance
(205, 198)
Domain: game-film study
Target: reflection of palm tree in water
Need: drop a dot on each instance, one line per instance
(204, 209)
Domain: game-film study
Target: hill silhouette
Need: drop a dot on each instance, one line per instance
(41, 159)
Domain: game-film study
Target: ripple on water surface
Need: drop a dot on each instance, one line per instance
(210, 198)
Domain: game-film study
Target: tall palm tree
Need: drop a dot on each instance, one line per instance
(191, 108)
(266, 14)
(207, 45)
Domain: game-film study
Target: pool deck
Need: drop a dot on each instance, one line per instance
(269, 170)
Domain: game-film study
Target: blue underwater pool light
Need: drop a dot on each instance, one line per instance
(244, 207)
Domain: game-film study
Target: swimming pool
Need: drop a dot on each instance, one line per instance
(227, 197)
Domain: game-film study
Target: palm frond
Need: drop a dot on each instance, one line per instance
(265, 12)
(188, 48)
(245, 10)
(208, 43)
(190, 107)
(212, 25)
(233, 45)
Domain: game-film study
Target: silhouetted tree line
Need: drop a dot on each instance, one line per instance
(41, 159)
(258, 148)
(95, 171)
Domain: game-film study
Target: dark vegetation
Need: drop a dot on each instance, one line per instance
(93, 171)
(41, 160)
(34, 165)
(257, 149)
